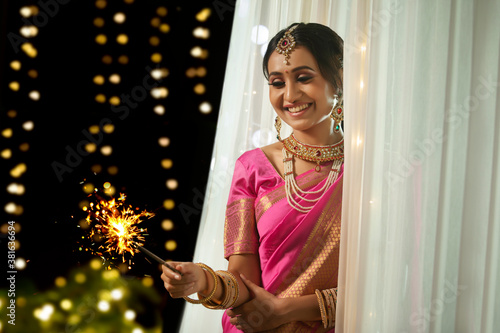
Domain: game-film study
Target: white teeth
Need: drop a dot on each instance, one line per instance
(298, 108)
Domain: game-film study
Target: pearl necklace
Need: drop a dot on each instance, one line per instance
(292, 147)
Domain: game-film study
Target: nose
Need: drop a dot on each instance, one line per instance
(292, 92)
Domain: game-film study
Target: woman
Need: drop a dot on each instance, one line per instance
(282, 226)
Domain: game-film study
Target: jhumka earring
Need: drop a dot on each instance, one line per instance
(286, 44)
(277, 125)
(337, 113)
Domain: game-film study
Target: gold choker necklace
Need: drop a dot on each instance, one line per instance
(318, 154)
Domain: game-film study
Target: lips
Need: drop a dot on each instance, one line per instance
(297, 108)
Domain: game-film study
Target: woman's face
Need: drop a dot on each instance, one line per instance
(298, 92)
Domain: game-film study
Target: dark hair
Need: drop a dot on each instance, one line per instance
(325, 45)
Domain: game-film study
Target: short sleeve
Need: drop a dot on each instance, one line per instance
(240, 229)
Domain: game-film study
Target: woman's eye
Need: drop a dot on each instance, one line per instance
(277, 83)
(304, 78)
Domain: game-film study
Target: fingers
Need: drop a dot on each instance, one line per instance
(177, 285)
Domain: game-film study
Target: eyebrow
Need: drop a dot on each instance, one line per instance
(296, 69)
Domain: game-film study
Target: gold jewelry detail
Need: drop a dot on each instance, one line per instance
(277, 125)
(322, 310)
(209, 297)
(286, 44)
(292, 147)
(331, 307)
(231, 291)
(337, 113)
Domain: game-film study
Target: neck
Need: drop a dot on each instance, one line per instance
(319, 137)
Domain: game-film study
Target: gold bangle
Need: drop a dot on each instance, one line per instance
(209, 297)
(321, 302)
(230, 292)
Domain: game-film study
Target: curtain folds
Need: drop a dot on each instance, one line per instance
(421, 210)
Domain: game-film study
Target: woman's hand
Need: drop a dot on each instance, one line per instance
(192, 281)
(261, 313)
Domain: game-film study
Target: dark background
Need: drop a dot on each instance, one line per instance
(68, 59)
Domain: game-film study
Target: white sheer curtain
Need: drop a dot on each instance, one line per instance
(421, 216)
(246, 118)
(420, 235)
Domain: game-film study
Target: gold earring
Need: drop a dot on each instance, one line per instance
(277, 125)
(337, 113)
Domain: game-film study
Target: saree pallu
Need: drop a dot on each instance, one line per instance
(298, 252)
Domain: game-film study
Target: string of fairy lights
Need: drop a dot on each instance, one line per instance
(113, 46)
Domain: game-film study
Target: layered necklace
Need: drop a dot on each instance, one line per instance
(319, 154)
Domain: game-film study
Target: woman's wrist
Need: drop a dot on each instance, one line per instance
(303, 308)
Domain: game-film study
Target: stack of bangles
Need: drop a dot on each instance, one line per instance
(327, 300)
(230, 290)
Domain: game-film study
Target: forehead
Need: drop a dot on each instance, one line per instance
(300, 56)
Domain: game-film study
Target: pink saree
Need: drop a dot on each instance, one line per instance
(298, 252)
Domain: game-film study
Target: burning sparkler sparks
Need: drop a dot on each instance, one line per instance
(116, 227)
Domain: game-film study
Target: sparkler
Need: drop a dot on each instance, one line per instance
(119, 226)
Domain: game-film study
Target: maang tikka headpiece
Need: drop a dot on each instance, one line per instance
(286, 44)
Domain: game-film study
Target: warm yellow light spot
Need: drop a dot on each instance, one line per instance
(201, 71)
(21, 301)
(107, 59)
(114, 100)
(123, 59)
(159, 73)
(80, 278)
(95, 264)
(96, 168)
(24, 147)
(199, 89)
(88, 188)
(17, 189)
(29, 31)
(29, 49)
(129, 315)
(108, 128)
(170, 245)
(44, 313)
(103, 306)
(155, 22)
(114, 78)
(18, 170)
(99, 22)
(20, 263)
(159, 92)
(7, 133)
(172, 184)
(6, 153)
(164, 141)
(14, 86)
(128, 1)
(361, 84)
(106, 150)
(113, 170)
(169, 204)
(147, 281)
(100, 98)
(116, 294)
(203, 15)
(166, 163)
(12, 113)
(99, 79)
(156, 57)
(101, 39)
(205, 107)
(28, 11)
(161, 11)
(201, 32)
(15, 65)
(164, 27)
(159, 110)
(119, 17)
(74, 319)
(111, 274)
(83, 204)
(110, 191)
(101, 4)
(122, 39)
(34, 95)
(358, 141)
(106, 185)
(104, 294)
(167, 224)
(66, 304)
(60, 281)
(154, 41)
(33, 73)
(198, 52)
(28, 125)
(191, 72)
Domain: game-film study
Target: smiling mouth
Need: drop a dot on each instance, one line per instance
(298, 108)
